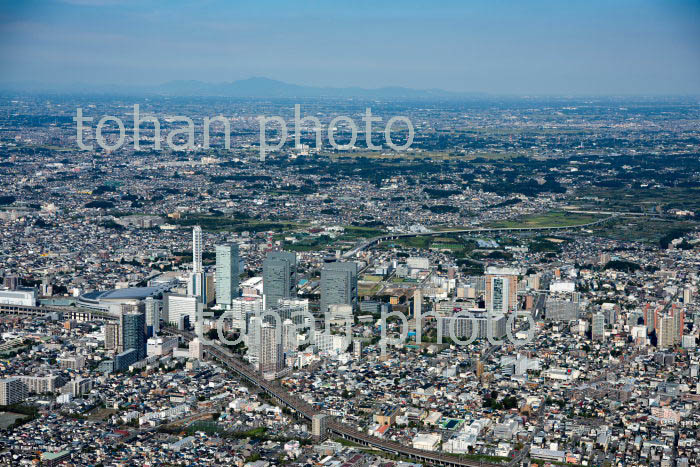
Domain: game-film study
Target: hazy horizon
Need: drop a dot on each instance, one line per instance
(631, 47)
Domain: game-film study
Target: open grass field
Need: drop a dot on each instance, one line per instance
(370, 278)
(368, 290)
(549, 219)
(8, 418)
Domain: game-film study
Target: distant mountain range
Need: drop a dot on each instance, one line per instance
(251, 87)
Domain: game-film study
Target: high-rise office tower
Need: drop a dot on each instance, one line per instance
(598, 326)
(134, 333)
(271, 353)
(279, 277)
(180, 306)
(197, 249)
(338, 285)
(226, 274)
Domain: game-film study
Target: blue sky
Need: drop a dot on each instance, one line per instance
(502, 47)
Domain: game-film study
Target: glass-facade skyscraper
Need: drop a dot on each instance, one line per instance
(338, 285)
(279, 277)
(227, 272)
(134, 333)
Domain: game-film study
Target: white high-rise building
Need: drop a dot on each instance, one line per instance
(289, 336)
(299, 304)
(197, 249)
(196, 349)
(182, 305)
(253, 341)
(328, 343)
(418, 303)
(357, 349)
(242, 308)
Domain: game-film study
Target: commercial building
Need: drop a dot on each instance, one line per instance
(159, 346)
(279, 277)
(426, 441)
(338, 285)
(180, 306)
(20, 296)
(113, 300)
(242, 308)
(227, 273)
(153, 312)
(557, 309)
